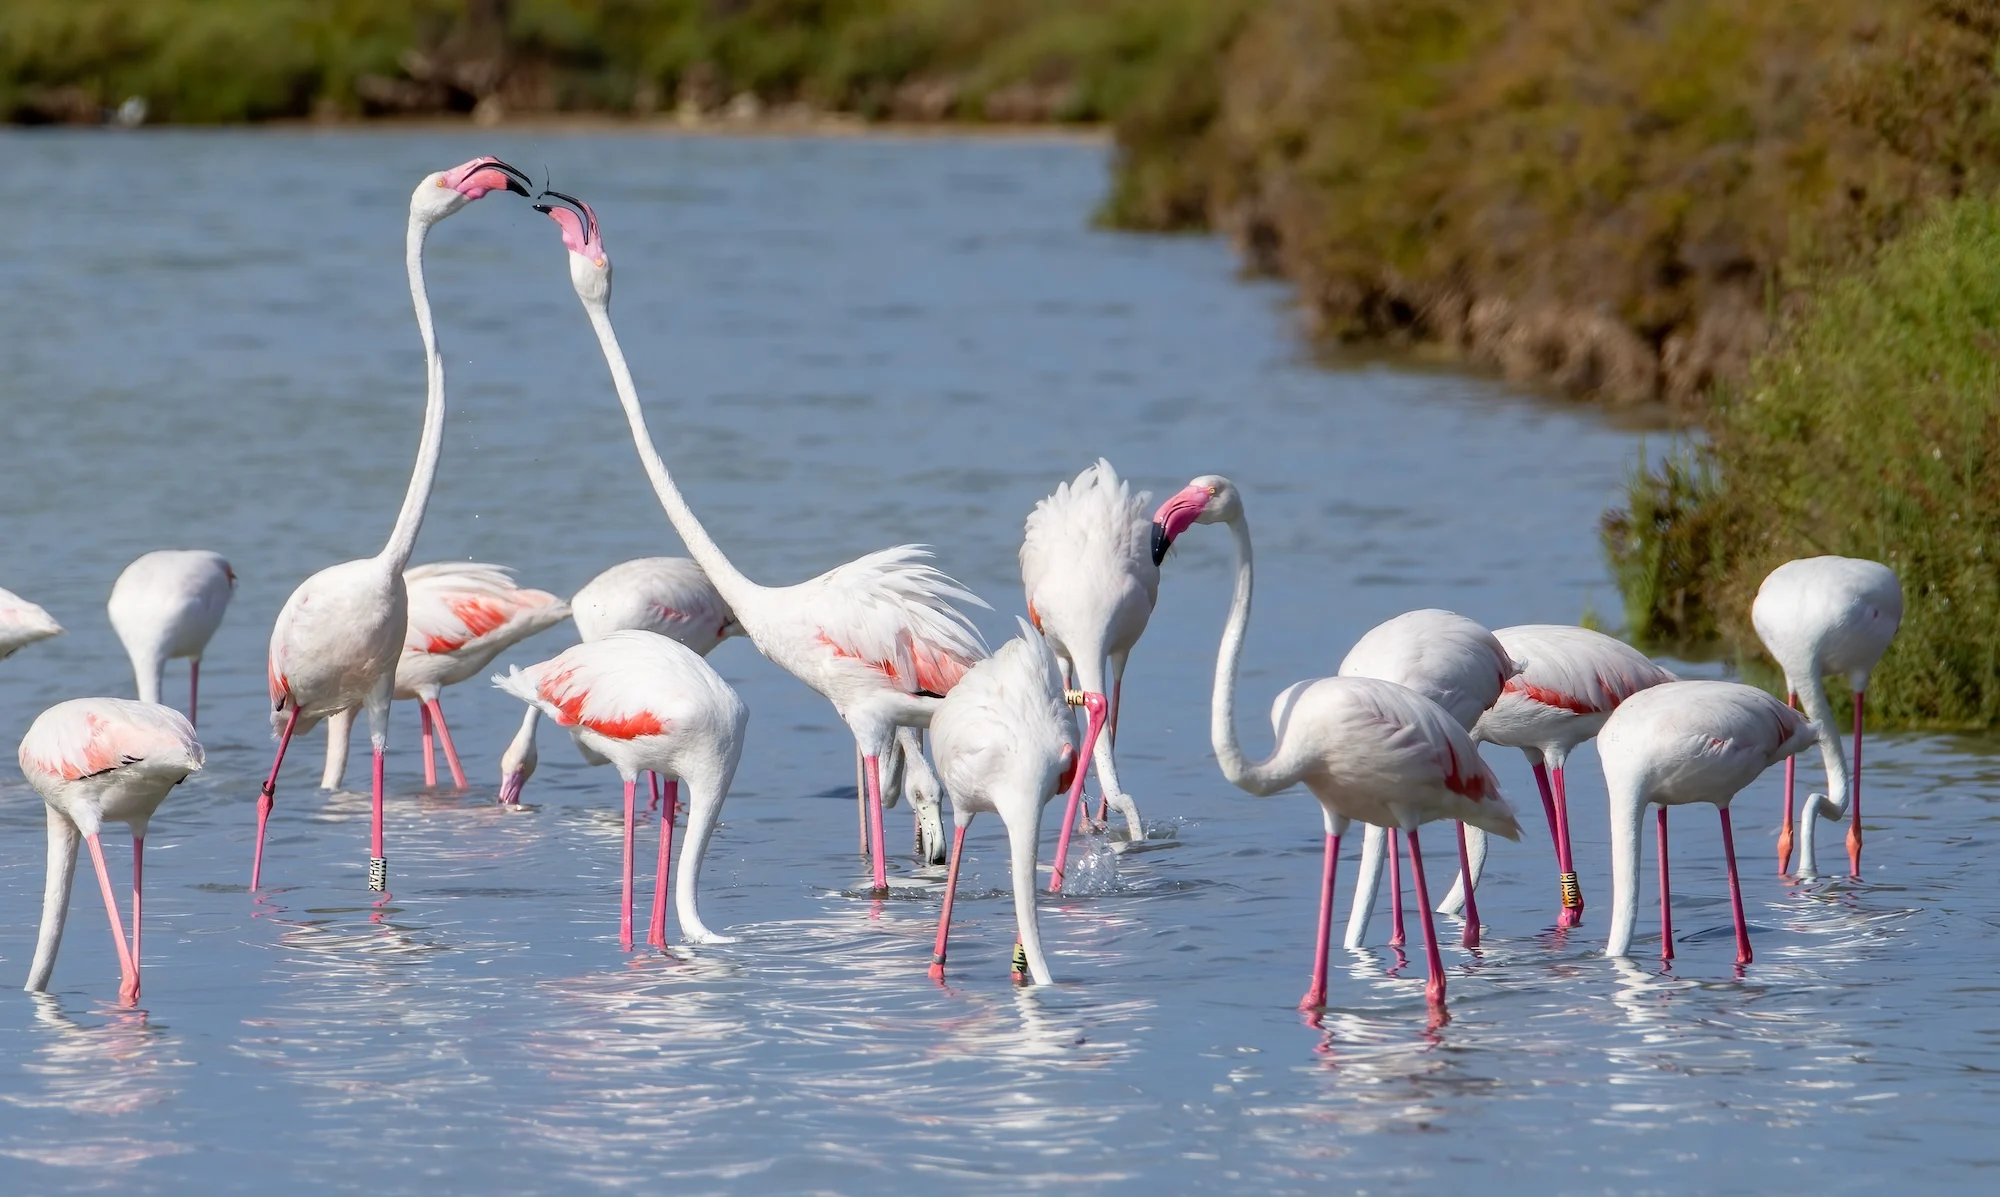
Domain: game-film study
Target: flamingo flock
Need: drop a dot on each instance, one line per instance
(1390, 741)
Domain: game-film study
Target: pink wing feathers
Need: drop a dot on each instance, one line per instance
(1576, 669)
(454, 604)
(88, 736)
(892, 612)
(622, 686)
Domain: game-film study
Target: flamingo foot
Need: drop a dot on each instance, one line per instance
(128, 991)
(1785, 849)
(1854, 850)
(1315, 999)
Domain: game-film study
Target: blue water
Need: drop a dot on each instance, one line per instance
(848, 344)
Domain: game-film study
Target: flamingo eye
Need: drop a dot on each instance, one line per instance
(1211, 492)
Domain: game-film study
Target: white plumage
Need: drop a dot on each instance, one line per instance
(166, 605)
(22, 623)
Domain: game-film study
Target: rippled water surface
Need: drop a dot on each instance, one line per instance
(844, 345)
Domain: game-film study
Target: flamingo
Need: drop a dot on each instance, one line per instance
(645, 702)
(96, 761)
(1088, 565)
(1821, 615)
(1368, 749)
(666, 595)
(1572, 679)
(338, 637)
(22, 623)
(1677, 743)
(877, 637)
(167, 604)
(1006, 743)
(461, 616)
(1457, 664)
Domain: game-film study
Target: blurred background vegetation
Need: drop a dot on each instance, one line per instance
(1767, 219)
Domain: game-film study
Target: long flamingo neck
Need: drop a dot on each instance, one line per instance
(1255, 778)
(64, 839)
(1832, 746)
(737, 590)
(403, 538)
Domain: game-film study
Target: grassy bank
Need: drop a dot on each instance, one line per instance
(1870, 428)
(242, 60)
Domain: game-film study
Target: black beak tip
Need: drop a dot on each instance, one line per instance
(1161, 542)
(542, 208)
(514, 185)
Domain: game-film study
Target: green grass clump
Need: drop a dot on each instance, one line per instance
(1870, 428)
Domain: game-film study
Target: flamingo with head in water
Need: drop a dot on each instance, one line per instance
(1822, 615)
(877, 637)
(338, 637)
(96, 761)
(1368, 750)
(1678, 743)
(1006, 743)
(165, 605)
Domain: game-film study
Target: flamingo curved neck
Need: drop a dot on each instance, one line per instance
(1256, 778)
(403, 538)
(64, 838)
(1832, 750)
(735, 589)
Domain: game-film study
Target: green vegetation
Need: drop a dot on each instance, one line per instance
(1870, 428)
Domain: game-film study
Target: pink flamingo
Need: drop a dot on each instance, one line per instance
(1092, 579)
(167, 604)
(1457, 664)
(1678, 743)
(96, 761)
(22, 623)
(1822, 615)
(1006, 743)
(669, 596)
(337, 640)
(1369, 750)
(462, 616)
(1573, 678)
(644, 703)
(877, 637)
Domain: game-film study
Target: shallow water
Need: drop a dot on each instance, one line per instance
(844, 345)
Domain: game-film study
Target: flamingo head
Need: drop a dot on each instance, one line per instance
(1209, 499)
(589, 265)
(517, 764)
(446, 191)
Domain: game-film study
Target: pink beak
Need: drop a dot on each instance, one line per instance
(1174, 516)
(510, 788)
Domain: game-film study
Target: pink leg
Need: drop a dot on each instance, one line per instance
(1735, 890)
(1471, 937)
(658, 935)
(194, 687)
(378, 861)
(1541, 771)
(267, 798)
(128, 988)
(653, 779)
(875, 844)
(625, 906)
(1572, 913)
(1395, 895)
(1785, 831)
(1666, 895)
(1435, 989)
(430, 751)
(1323, 942)
(1093, 710)
(444, 737)
(138, 900)
(1854, 803)
(944, 916)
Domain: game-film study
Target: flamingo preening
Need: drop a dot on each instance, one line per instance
(22, 623)
(1822, 615)
(647, 703)
(462, 615)
(338, 638)
(1366, 749)
(1457, 664)
(167, 604)
(1006, 743)
(1088, 566)
(96, 761)
(877, 637)
(1678, 743)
